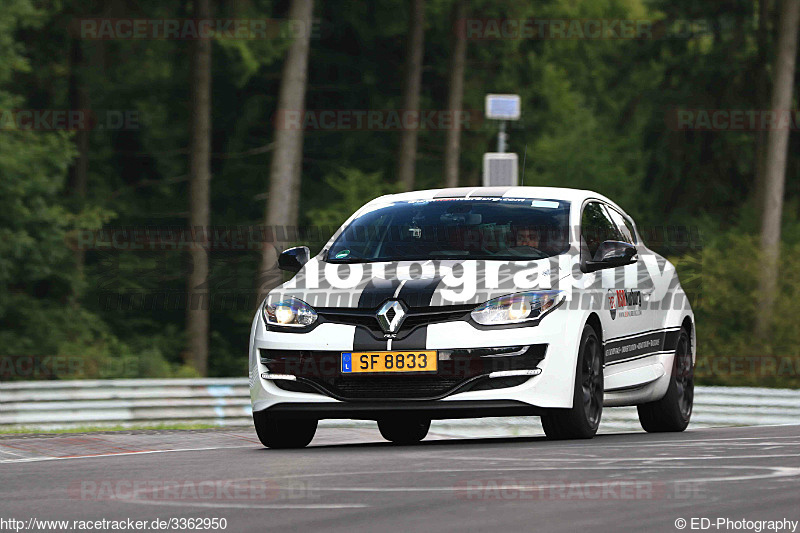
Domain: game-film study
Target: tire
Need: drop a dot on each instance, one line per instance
(282, 432)
(404, 430)
(673, 411)
(583, 418)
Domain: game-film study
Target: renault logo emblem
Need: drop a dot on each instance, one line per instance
(391, 315)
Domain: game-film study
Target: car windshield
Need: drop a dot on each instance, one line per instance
(456, 228)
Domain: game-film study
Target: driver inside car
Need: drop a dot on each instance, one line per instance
(527, 236)
(526, 240)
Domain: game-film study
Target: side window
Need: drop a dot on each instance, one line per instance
(596, 227)
(623, 225)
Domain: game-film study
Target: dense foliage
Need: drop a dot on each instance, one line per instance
(596, 115)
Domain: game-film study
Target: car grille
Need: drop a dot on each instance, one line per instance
(405, 389)
(463, 369)
(388, 387)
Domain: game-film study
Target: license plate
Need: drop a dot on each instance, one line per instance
(386, 362)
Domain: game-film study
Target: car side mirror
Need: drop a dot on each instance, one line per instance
(612, 254)
(293, 259)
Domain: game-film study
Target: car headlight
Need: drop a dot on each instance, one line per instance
(289, 312)
(517, 308)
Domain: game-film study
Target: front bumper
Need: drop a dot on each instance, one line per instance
(459, 370)
(319, 391)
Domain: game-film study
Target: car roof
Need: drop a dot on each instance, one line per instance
(576, 196)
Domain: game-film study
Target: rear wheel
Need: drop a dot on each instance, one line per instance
(673, 411)
(404, 430)
(282, 432)
(582, 420)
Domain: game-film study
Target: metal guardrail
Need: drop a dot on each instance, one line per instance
(226, 401)
(51, 404)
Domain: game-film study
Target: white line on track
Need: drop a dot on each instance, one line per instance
(120, 454)
(704, 442)
(785, 471)
(595, 458)
(301, 506)
(10, 453)
(773, 472)
(776, 473)
(763, 441)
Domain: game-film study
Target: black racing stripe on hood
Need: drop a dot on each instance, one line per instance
(419, 292)
(364, 342)
(376, 292)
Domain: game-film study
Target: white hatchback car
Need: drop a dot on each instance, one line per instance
(474, 302)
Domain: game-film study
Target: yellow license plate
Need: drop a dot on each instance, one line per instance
(385, 362)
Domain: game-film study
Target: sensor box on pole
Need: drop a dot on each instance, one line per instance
(503, 107)
(500, 170)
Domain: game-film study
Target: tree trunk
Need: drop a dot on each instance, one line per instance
(284, 179)
(775, 165)
(762, 99)
(455, 98)
(198, 291)
(407, 156)
(79, 172)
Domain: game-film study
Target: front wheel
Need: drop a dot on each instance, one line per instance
(583, 418)
(283, 433)
(673, 411)
(404, 430)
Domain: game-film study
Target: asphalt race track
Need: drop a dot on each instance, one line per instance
(351, 480)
